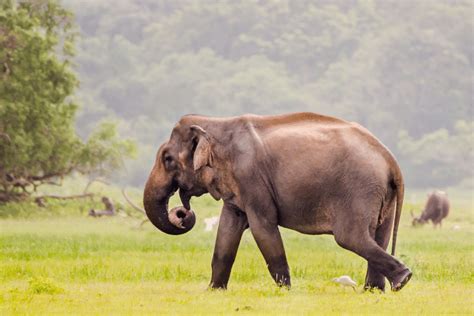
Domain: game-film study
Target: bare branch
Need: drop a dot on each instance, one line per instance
(40, 200)
(135, 206)
(66, 197)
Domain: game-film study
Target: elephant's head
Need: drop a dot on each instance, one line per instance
(179, 165)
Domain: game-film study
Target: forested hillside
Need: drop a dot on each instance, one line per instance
(403, 69)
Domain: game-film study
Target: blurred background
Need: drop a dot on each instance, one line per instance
(89, 89)
(403, 69)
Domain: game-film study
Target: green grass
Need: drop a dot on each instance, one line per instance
(59, 261)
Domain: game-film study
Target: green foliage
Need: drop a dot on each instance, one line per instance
(390, 66)
(38, 141)
(104, 151)
(34, 110)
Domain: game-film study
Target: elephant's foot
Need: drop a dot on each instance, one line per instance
(282, 280)
(401, 280)
(370, 286)
(374, 289)
(217, 286)
(285, 285)
(374, 280)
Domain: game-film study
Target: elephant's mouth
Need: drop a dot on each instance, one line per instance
(185, 197)
(186, 194)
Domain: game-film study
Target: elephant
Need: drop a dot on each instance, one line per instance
(307, 172)
(436, 209)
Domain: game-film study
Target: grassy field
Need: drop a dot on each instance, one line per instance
(59, 261)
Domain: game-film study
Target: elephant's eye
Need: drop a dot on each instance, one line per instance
(168, 161)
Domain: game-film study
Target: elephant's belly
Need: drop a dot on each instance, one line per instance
(311, 221)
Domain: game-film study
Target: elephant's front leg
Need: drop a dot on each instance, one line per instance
(268, 238)
(232, 224)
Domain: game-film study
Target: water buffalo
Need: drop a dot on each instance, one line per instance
(436, 209)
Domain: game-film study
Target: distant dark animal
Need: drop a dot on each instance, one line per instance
(436, 209)
(311, 173)
(109, 209)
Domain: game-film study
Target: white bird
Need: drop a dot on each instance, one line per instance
(456, 227)
(210, 222)
(346, 281)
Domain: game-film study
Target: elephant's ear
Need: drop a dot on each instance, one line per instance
(202, 154)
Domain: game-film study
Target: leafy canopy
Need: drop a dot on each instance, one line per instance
(38, 142)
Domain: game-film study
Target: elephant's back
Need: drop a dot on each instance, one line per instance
(306, 125)
(318, 155)
(320, 148)
(339, 139)
(276, 121)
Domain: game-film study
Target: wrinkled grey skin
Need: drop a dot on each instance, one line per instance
(307, 172)
(436, 209)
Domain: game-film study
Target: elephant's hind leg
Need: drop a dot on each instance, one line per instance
(374, 279)
(355, 236)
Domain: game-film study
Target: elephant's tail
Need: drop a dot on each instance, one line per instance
(400, 191)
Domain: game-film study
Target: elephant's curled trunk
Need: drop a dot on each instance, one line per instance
(177, 221)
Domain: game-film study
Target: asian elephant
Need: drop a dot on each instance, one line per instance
(311, 173)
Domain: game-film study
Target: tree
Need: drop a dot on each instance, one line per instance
(38, 142)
